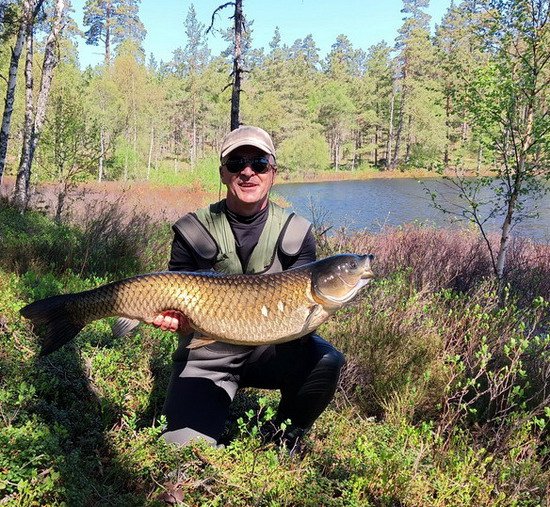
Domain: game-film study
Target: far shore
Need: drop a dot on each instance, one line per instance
(166, 202)
(345, 174)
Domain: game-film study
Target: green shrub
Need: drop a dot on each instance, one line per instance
(443, 400)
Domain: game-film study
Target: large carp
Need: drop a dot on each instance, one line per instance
(237, 309)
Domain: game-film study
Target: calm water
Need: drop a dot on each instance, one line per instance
(372, 204)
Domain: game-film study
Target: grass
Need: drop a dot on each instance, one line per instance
(204, 175)
(443, 400)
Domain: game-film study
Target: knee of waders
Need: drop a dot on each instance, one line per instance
(332, 362)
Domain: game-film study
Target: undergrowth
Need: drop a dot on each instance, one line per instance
(443, 401)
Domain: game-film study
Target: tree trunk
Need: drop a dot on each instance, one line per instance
(101, 154)
(376, 141)
(390, 131)
(447, 130)
(30, 9)
(395, 156)
(11, 85)
(126, 156)
(151, 142)
(337, 152)
(237, 66)
(520, 171)
(50, 62)
(61, 196)
(479, 157)
(35, 125)
(408, 146)
(22, 182)
(108, 34)
(194, 138)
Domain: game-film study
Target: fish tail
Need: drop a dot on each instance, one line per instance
(57, 325)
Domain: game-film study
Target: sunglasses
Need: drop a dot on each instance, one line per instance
(259, 165)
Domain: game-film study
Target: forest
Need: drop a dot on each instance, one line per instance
(444, 399)
(423, 100)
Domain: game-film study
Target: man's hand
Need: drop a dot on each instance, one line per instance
(172, 320)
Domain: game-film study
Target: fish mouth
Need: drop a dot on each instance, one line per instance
(367, 275)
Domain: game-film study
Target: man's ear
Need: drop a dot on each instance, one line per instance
(222, 175)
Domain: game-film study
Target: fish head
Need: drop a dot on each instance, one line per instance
(336, 280)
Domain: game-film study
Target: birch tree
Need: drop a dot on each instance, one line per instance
(29, 10)
(34, 121)
(508, 104)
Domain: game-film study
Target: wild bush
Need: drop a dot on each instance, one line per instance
(444, 258)
(108, 243)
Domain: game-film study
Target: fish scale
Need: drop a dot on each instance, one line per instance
(238, 309)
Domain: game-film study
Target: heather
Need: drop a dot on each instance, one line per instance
(443, 401)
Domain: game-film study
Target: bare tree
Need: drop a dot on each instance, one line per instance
(238, 67)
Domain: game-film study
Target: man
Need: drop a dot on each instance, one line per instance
(244, 233)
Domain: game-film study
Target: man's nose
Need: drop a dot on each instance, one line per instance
(247, 169)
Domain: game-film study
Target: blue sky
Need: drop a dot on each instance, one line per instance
(365, 22)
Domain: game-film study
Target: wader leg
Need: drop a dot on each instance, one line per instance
(195, 408)
(306, 371)
(202, 386)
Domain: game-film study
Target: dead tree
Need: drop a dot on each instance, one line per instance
(238, 67)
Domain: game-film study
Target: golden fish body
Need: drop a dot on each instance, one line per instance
(237, 309)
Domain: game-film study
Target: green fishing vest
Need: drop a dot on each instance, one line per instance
(208, 232)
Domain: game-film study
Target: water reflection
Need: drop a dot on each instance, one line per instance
(371, 204)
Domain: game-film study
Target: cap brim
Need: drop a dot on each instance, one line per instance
(247, 142)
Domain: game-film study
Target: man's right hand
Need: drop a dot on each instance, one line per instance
(172, 320)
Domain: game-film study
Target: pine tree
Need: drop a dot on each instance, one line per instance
(111, 22)
(343, 61)
(195, 55)
(379, 76)
(417, 90)
(189, 62)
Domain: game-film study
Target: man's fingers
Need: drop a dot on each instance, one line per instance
(171, 321)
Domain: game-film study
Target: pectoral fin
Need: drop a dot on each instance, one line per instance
(199, 341)
(317, 315)
(124, 326)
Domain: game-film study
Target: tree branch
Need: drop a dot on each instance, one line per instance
(221, 7)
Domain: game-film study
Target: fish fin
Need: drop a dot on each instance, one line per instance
(124, 326)
(199, 341)
(311, 322)
(56, 325)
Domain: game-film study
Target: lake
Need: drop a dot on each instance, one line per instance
(373, 204)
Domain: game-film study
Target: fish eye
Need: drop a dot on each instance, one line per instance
(352, 265)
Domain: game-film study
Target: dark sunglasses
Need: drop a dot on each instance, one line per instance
(259, 165)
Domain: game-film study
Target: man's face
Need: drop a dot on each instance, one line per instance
(247, 190)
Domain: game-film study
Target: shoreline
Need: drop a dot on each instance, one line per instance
(359, 175)
(165, 202)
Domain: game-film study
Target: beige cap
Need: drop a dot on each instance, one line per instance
(247, 135)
